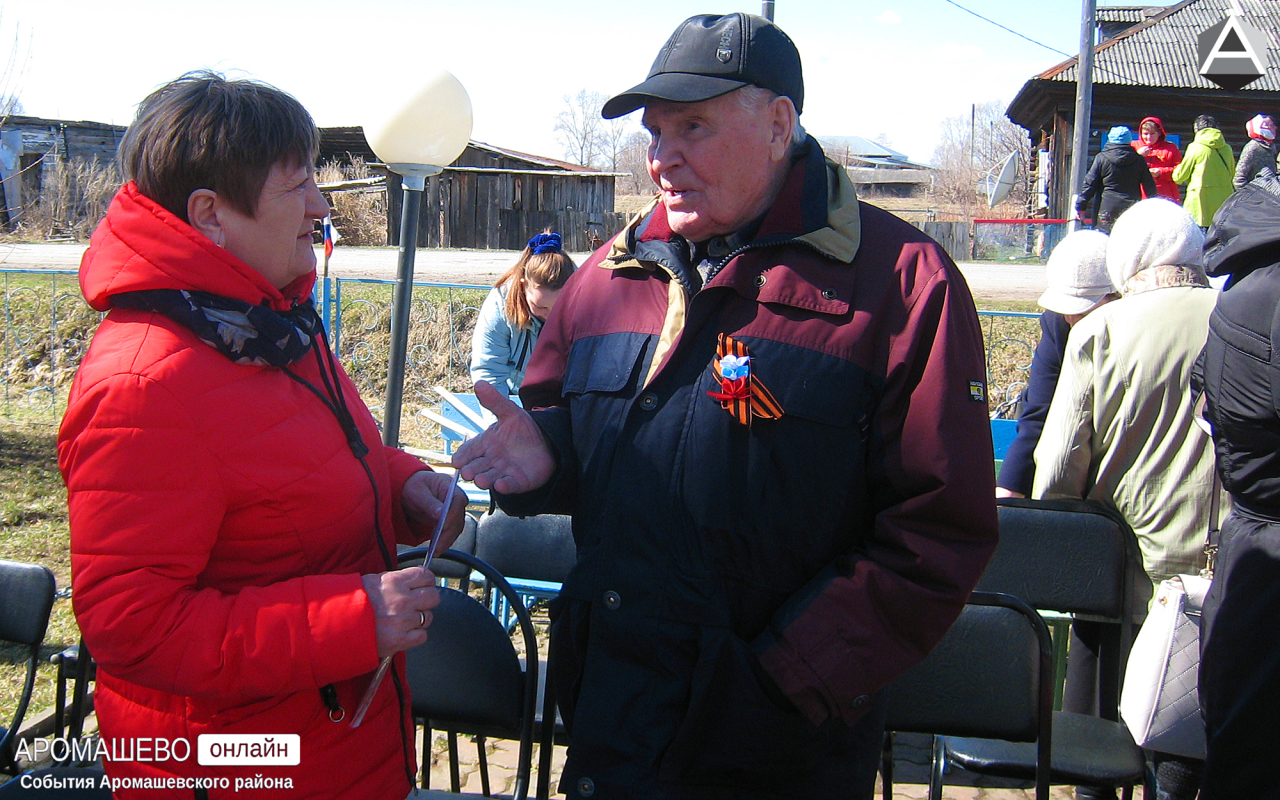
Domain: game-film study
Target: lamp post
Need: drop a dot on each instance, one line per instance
(417, 140)
(1084, 109)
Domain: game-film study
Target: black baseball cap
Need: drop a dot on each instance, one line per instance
(711, 55)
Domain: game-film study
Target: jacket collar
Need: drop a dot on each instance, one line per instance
(817, 208)
(141, 245)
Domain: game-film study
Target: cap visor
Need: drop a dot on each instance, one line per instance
(1068, 303)
(677, 87)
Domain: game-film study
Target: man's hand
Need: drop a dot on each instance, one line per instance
(511, 456)
(423, 498)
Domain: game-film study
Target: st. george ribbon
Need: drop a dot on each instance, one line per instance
(367, 700)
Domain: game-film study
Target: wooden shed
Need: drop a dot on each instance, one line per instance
(31, 146)
(492, 198)
(1147, 69)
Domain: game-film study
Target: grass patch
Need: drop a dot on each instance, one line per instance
(439, 349)
(33, 528)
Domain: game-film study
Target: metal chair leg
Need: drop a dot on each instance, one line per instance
(455, 777)
(935, 773)
(886, 767)
(482, 758)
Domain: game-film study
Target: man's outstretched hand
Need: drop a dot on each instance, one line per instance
(511, 456)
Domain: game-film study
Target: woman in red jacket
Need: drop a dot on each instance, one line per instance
(233, 514)
(1162, 156)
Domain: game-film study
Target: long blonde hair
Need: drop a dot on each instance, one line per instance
(543, 263)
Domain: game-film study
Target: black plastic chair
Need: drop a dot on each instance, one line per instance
(991, 675)
(76, 667)
(468, 678)
(1080, 558)
(535, 554)
(26, 599)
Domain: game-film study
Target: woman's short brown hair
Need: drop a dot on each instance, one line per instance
(203, 131)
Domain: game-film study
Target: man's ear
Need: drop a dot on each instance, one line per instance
(202, 214)
(782, 126)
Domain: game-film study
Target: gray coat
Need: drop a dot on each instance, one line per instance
(1256, 157)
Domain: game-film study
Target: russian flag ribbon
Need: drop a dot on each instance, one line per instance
(741, 393)
(331, 236)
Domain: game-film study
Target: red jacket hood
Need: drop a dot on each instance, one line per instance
(1137, 140)
(141, 245)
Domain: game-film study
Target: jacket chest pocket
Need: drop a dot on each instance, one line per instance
(601, 377)
(779, 494)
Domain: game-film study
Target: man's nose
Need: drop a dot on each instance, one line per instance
(663, 155)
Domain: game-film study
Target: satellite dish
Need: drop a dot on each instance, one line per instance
(999, 189)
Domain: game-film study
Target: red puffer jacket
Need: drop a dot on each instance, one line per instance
(219, 528)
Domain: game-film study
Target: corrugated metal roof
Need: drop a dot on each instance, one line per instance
(1134, 14)
(1162, 52)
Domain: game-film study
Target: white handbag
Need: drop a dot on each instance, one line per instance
(1160, 701)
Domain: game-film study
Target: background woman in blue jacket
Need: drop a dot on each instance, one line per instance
(513, 313)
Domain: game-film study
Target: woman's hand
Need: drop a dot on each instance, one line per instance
(511, 456)
(402, 601)
(423, 500)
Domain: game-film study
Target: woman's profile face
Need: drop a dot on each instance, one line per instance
(540, 299)
(276, 241)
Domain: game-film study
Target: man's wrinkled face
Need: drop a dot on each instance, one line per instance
(715, 162)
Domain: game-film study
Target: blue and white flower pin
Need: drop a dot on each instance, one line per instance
(733, 368)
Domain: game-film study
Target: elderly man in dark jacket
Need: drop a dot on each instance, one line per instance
(1116, 180)
(764, 405)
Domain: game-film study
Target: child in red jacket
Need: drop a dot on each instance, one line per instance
(1162, 156)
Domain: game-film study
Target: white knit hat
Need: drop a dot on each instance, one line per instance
(1152, 233)
(1077, 273)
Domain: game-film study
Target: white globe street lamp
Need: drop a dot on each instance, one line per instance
(421, 137)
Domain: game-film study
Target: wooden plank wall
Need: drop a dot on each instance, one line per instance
(953, 236)
(501, 210)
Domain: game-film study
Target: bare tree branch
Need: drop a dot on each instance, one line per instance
(580, 128)
(970, 147)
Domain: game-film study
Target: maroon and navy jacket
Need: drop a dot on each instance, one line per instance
(743, 591)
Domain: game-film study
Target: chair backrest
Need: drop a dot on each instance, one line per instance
(468, 673)
(537, 548)
(1064, 555)
(26, 599)
(990, 677)
(984, 679)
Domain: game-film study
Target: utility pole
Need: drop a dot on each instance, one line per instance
(766, 9)
(1084, 108)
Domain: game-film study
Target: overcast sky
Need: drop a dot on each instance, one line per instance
(892, 67)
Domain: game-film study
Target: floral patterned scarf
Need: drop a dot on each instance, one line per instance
(244, 333)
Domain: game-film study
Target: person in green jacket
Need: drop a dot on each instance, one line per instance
(1209, 169)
